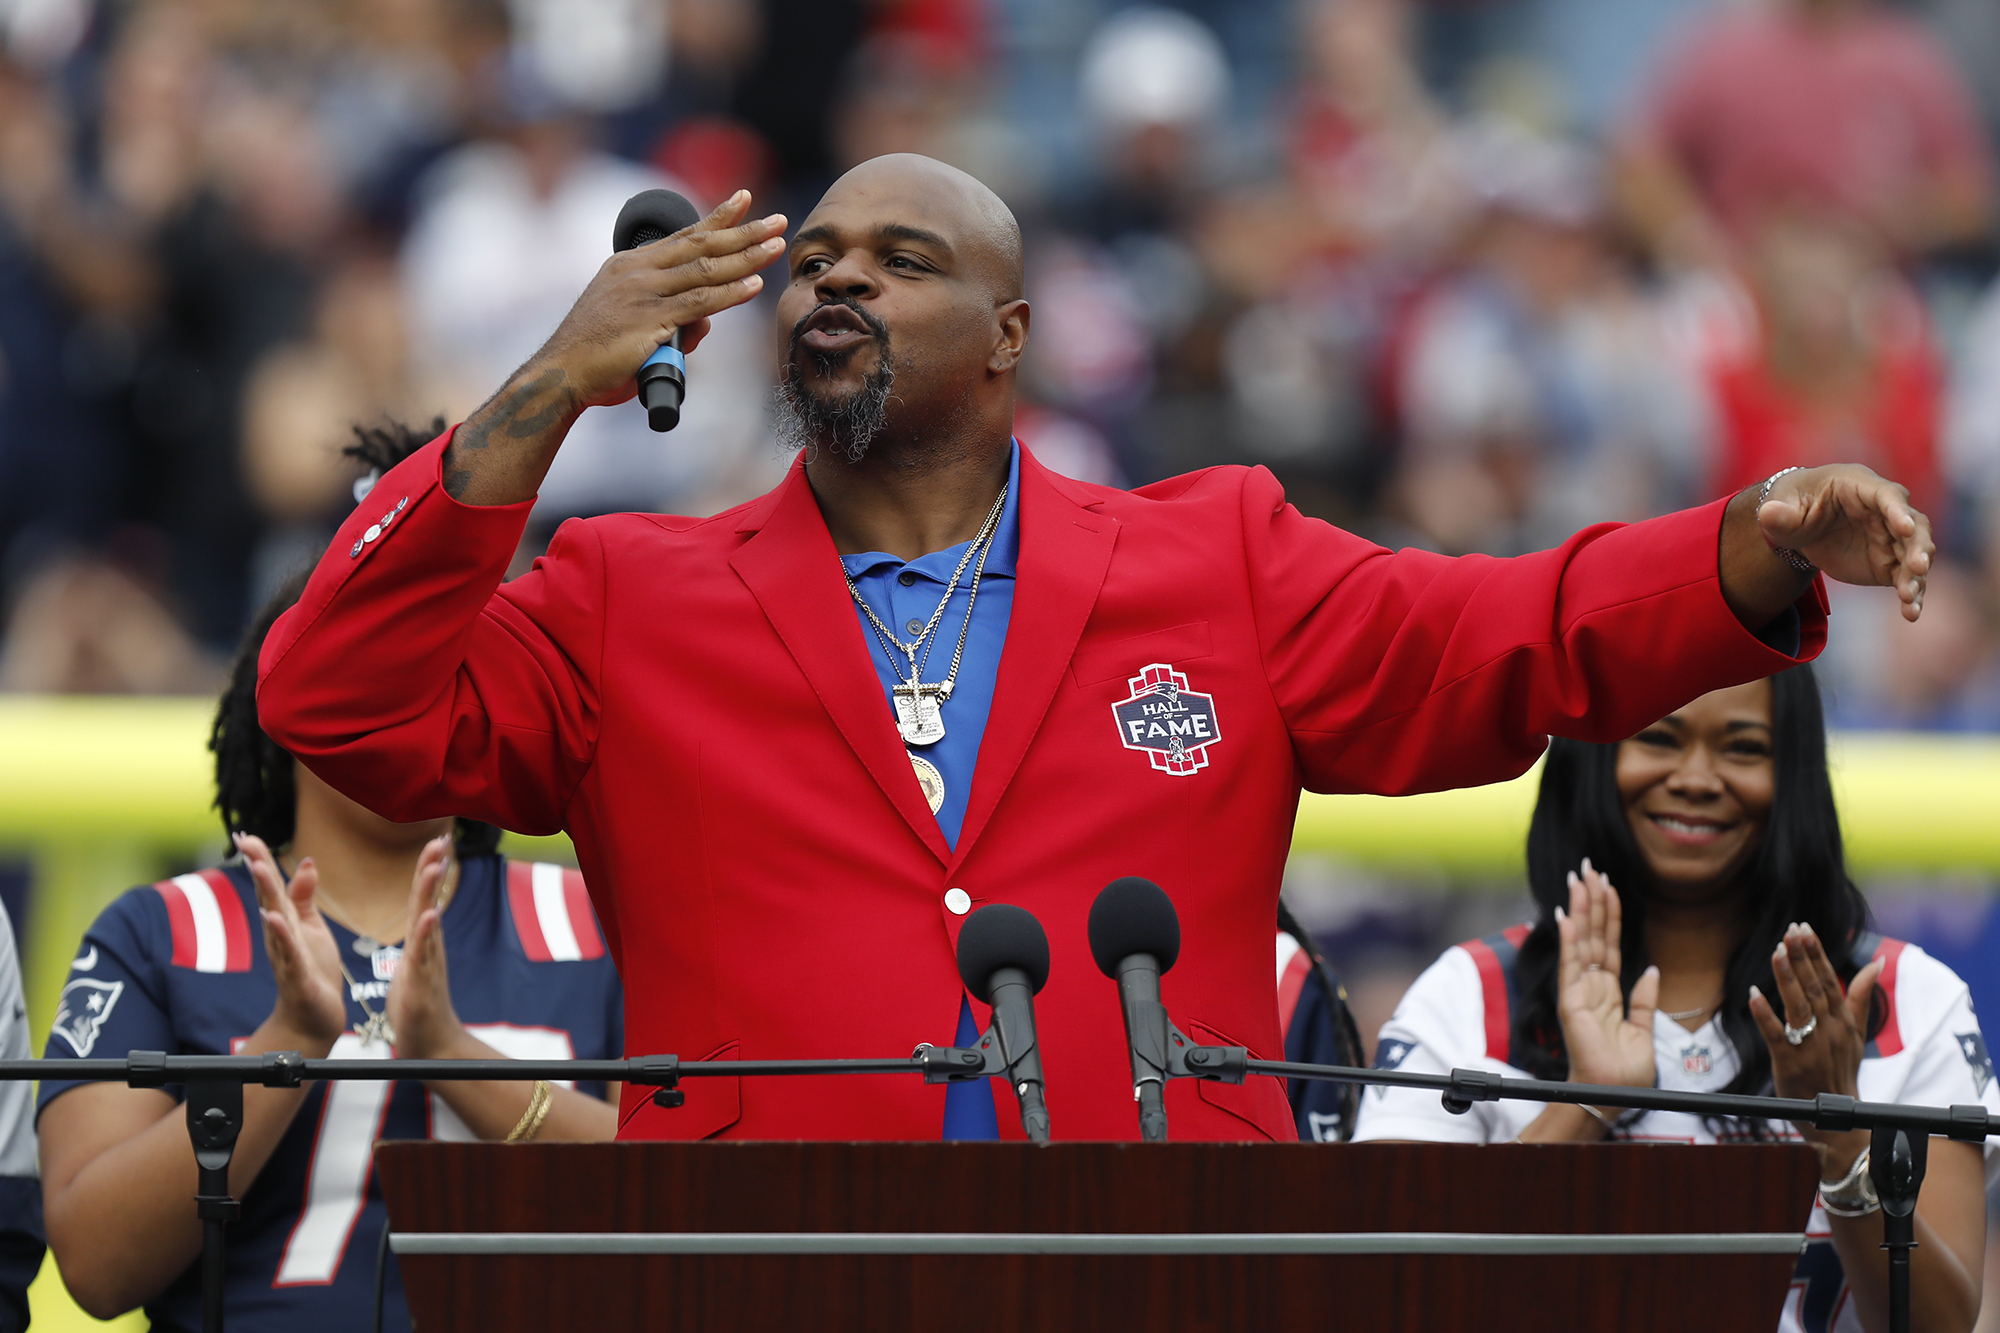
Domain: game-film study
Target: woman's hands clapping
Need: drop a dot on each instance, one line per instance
(419, 1005)
(304, 956)
(1606, 1044)
(1828, 1058)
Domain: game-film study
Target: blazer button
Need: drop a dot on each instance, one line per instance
(957, 901)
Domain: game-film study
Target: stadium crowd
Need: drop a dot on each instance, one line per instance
(1465, 275)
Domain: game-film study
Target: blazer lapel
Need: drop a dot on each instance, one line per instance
(792, 569)
(1064, 552)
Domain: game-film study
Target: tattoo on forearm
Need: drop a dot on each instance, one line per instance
(508, 413)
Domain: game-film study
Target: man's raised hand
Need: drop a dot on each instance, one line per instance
(1856, 526)
(637, 301)
(642, 295)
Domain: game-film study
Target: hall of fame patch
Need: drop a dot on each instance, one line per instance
(1173, 724)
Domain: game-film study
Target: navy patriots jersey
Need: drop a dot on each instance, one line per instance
(180, 967)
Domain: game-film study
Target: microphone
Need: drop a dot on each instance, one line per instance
(1135, 935)
(653, 215)
(1003, 957)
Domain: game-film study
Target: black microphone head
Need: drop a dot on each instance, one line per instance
(1002, 935)
(649, 216)
(1133, 915)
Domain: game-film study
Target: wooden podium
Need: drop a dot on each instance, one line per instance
(966, 1237)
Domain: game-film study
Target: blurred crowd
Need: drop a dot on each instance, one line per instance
(1466, 274)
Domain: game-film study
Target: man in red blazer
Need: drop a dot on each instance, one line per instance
(698, 702)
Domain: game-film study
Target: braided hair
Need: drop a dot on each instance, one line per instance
(255, 791)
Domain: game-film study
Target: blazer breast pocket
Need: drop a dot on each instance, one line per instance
(1121, 658)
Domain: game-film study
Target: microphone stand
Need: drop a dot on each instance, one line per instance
(214, 1085)
(1899, 1142)
(1899, 1134)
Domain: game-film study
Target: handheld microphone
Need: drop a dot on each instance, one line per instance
(1135, 935)
(654, 215)
(1003, 957)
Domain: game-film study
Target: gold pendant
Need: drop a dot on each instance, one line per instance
(930, 780)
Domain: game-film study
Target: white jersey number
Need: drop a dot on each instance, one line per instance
(343, 1150)
(350, 1121)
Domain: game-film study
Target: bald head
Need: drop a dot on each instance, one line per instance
(906, 314)
(971, 217)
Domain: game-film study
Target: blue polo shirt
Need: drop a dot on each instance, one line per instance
(904, 594)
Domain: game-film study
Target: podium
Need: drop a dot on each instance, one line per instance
(966, 1237)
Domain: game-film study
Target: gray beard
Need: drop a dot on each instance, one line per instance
(850, 426)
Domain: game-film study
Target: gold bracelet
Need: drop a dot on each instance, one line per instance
(530, 1123)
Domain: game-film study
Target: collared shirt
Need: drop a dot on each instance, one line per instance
(904, 594)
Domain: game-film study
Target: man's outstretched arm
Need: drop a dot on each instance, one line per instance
(634, 304)
(1409, 671)
(1855, 526)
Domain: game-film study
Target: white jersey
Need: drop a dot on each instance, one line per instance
(1457, 1015)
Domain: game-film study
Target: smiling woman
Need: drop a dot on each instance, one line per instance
(1736, 958)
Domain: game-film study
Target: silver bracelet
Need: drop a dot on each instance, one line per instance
(1596, 1115)
(1785, 553)
(1853, 1195)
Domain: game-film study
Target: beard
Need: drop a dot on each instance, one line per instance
(810, 421)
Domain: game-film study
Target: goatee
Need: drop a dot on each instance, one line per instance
(849, 425)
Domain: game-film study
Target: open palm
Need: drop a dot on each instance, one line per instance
(304, 956)
(1606, 1043)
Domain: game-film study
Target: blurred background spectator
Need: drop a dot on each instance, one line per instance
(1468, 274)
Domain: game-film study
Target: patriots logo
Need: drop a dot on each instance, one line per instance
(1973, 1047)
(1390, 1055)
(85, 1005)
(1171, 723)
(1324, 1128)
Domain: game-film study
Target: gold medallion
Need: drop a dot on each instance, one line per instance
(930, 780)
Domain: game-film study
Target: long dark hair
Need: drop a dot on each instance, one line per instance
(254, 788)
(1799, 874)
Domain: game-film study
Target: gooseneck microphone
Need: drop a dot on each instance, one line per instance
(1135, 935)
(1003, 957)
(654, 215)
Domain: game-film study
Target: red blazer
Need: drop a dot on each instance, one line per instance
(693, 701)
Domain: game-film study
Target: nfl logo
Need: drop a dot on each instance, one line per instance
(1696, 1060)
(1173, 724)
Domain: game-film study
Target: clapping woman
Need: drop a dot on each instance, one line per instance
(1697, 929)
(332, 932)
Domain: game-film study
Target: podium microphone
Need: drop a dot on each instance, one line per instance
(1003, 957)
(1135, 935)
(654, 215)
